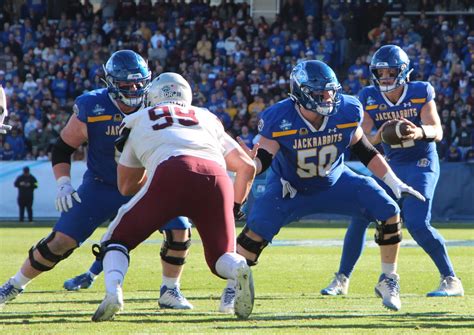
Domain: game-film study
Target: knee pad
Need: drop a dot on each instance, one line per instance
(382, 228)
(170, 244)
(250, 245)
(46, 253)
(99, 251)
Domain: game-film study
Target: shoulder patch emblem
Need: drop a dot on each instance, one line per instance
(285, 124)
(98, 110)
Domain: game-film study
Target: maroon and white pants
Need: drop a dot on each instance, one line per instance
(188, 186)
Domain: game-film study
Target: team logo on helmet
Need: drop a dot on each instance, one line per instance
(170, 91)
(301, 75)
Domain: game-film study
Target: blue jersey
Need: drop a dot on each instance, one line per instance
(380, 109)
(309, 158)
(103, 119)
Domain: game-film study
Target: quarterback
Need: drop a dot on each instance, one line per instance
(415, 160)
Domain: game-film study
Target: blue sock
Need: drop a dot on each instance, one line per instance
(96, 268)
(353, 245)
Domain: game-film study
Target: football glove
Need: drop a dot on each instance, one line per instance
(399, 188)
(66, 193)
(287, 189)
(4, 128)
(238, 214)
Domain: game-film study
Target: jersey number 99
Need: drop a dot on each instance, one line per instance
(167, 115)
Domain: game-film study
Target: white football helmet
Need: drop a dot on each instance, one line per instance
(169, 87)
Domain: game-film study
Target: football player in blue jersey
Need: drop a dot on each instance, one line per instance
(96, 119)
(415, 160)
(303, 140)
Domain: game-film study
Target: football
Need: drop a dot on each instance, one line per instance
(393, 132)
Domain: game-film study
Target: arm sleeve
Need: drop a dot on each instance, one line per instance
(228, 143)
(360, 113)
(80, 109)
(265, 128)
(361, 97)
(430, 92)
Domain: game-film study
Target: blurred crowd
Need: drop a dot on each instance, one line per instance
(237, 65)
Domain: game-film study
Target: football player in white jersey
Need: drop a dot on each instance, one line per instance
(174, 160)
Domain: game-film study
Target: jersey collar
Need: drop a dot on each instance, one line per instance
(310, 126)
(400, 100)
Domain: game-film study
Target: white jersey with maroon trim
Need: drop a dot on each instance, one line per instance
(168, 129)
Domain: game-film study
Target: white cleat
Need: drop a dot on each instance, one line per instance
(8, 292)
(111, 305)
(338, 286)
(227, 300)
(172, 298)
(388, 288)
(449, 286)
(244, 293)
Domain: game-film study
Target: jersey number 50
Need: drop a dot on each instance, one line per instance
(167, 115)
(327, 156)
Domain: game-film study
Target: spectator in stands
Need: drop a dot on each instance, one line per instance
(353, 84)
(360, 71)
(453, 154)
(204, 48)
(16, 143)
(257, 105)
(462, 137)
(77, 47)
(247, 137)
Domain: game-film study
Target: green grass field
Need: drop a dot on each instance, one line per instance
(287, 282)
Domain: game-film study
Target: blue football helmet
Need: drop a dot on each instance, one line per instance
(123, 70)
(308, 82)
(390, 57)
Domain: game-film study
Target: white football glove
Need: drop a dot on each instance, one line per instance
(4, 128)
(399, 188)
(65, 194)
(287, 189)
